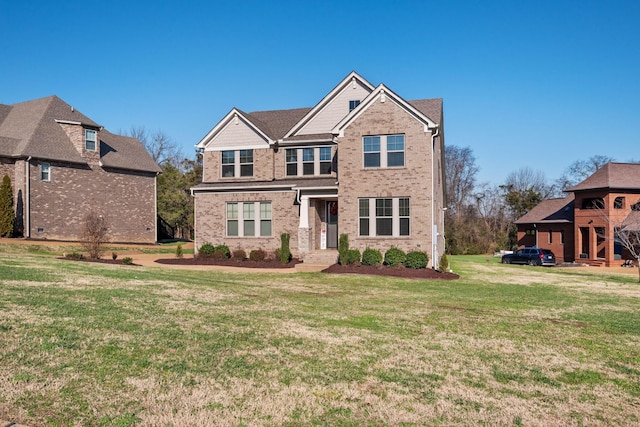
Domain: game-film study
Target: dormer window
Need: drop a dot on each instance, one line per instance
(353, 104)
(90, 140)
(45, 172)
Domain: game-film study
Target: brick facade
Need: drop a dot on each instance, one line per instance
(211, 220)
(380, 112)
(411, 181)
(57, 207)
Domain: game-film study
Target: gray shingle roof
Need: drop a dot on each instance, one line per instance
(30, 129)
(431, 108)
(276, 123)
(612, 175)
(550, 211)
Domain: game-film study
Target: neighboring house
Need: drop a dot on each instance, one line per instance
(549, 225)
(64, 165)
(362, 162)
(607, 199)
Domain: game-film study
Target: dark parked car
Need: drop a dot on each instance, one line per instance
(531, 256)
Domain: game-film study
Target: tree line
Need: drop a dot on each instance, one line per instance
(480, 217)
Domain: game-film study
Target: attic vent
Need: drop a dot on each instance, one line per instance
(353, 82)
(383, 97)
(235, 119)
(72, 109)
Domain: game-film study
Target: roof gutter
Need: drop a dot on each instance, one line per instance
(434, 231)
(27, 214)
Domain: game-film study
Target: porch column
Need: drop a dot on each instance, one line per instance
(304, 236)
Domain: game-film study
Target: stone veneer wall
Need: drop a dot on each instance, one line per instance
(125, 198)
(413, 180)
(211, 214)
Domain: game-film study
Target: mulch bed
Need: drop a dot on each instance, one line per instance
(100, 261)
(230, 262)
(381, 270)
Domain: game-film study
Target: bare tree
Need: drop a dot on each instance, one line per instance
(626, 232)
(460, 176)
(94, 234)
(580, 170)
(159, 145)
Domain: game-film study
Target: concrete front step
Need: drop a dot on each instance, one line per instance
(326, 257)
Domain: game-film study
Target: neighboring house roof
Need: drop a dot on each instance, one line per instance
(550, 211)
(31, 129)
(613, 176)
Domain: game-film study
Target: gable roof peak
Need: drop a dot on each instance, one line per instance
(352, 79)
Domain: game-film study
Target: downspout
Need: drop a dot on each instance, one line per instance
(27, 201)
(434, 237)
(155, 204)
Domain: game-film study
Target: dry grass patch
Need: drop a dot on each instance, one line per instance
(110, 345)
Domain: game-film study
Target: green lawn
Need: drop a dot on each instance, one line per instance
(97, 345)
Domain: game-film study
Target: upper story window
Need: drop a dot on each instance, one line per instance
(90, 139)
(383, 151)
(618, 203)
(237, 163)
(593, 203)
(308, 161)
(384, 217)
(45, 172)
(353, 104)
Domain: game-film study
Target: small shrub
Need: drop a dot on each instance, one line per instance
(394, 256)
(353, 256)
(114, 256)
(240, 254)
(206, 249)
(416, 259)
(179, 252)
(444, 263)
(222, 249)
(343, 249)
(74, 255)
(127, 260)
(285, 251)
(257, 255)
(219, 255)
(371, 257)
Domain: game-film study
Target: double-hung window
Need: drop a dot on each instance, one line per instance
(308, 161)
(325, 160)
(242, 220)
(237, 163)
(90, 139)
(291, 155)
(384, 151)
(384, 217)
(45, 172)
(371, 151)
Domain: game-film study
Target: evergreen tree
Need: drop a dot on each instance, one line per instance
(7, 213)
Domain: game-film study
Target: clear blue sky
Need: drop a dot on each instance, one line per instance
(525, 83)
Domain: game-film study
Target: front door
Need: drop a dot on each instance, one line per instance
(332, 225)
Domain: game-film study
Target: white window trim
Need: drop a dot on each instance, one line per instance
(383, 152)
(237, 166)
(256, 219)
(95, 140)
(300, 162)
(48, 167)
(395, 218)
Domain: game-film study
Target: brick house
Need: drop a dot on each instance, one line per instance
(362, 162)
(610, 197)
(63, 165)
